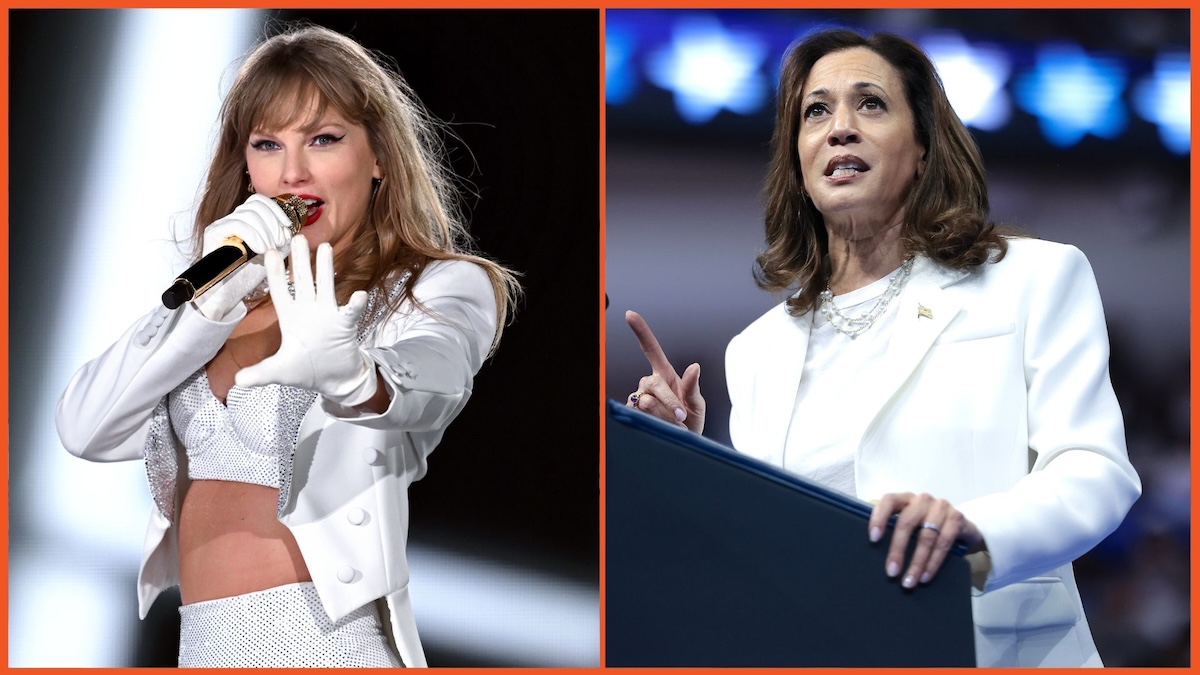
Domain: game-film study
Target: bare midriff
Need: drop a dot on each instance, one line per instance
(230, 541)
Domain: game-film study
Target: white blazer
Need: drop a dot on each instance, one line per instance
(343, 493)
(997, 398)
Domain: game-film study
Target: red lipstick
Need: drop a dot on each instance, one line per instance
(315, 208)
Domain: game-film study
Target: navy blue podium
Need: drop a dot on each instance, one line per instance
(713, 559)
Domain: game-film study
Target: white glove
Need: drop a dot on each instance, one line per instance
(262, 225)
(319, 349)
(259, 221)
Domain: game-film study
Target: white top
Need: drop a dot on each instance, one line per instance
(839, 375)
(243, 439)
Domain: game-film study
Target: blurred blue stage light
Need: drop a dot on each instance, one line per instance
(974, 77)
(709, 68)
(620, 77)
(714, 61)
(1074, 94)
(1165, 98)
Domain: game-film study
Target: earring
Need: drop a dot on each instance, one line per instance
(375, 186)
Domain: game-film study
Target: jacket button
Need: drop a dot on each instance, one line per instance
(143, 337)
(345, 574)
(372, 456)
(356, 516)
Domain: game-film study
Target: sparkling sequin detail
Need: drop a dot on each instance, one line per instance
(377, 306)
(161, 464)
(282, 627)
(161, 446)
(242, 440)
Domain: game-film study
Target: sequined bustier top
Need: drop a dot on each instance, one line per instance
(243, 439)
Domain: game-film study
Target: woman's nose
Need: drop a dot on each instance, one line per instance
(844, 128)
(295, 169)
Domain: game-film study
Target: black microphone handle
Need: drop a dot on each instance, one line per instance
(217, 265)
(209, 270)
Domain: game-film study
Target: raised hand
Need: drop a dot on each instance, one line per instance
(319, 349)
(664, 393)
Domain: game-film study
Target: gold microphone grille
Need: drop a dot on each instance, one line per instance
(295, 208)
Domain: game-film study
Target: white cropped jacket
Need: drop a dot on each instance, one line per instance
(347, 464)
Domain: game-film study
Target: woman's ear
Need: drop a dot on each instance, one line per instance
(376, 172)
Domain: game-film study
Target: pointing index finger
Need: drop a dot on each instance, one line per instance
(650, 347)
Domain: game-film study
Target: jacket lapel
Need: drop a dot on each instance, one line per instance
(925, 309)
(295, 467)
(775, 398)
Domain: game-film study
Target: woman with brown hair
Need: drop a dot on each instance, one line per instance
(953, 374)
(282, 419)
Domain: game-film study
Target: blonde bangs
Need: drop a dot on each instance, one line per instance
(293, 98)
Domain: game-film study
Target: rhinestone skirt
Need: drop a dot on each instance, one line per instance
(281, 627)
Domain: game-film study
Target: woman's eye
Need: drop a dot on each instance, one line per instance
(326, 139)
(873, 103)
(264, 145)
(815, 110)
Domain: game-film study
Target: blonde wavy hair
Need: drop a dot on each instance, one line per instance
(414, 216)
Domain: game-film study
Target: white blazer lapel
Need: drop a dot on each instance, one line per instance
(775, 395)
(925, 310)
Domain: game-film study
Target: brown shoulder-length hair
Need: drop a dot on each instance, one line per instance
(946, 211)
(414, 216)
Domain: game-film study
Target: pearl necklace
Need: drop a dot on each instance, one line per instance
(857, 325)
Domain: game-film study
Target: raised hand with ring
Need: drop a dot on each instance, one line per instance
(664, 393)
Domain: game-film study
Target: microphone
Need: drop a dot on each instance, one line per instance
(223, 261)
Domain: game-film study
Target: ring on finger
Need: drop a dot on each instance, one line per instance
(931, 526)
(633, 398)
